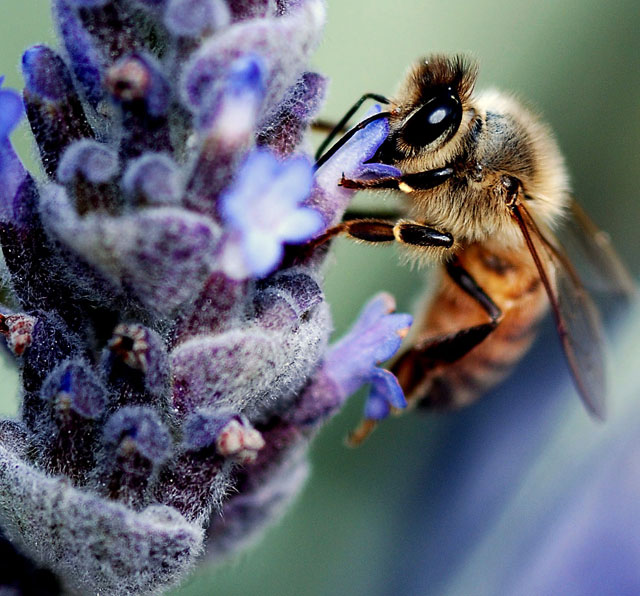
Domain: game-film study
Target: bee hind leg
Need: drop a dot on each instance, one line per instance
(413, 368)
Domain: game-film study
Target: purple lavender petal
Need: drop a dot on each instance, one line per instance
(226, 371)
(328, 197)
(353, 361)
(284, 43)
(300, 226)
(192, 18)
(261, 253)
(271, 191)
(226, 121)
(54, 109)
(111, 549)
(376, 170)
(373, 311)
(12, 174)
(11, 112)
(234, 104)
(94, 161)
(163, 254)
(283, 129)
(154, 179)
(385, 392)
(86, 60)
(374, 338)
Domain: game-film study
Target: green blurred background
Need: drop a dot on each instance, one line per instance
(427, 504)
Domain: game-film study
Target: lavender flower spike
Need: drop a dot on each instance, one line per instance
(164, 311)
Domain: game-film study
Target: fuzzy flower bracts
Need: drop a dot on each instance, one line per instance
(167, 320)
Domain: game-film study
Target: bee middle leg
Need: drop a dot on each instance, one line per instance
(414, 366)
(380, 230)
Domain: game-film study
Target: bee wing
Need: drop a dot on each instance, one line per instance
(604, 270)
(575, 315)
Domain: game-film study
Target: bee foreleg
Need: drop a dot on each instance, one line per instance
(406, 183)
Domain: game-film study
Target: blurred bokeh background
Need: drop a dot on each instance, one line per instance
(489, 500)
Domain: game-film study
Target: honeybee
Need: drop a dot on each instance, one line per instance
(484, 186)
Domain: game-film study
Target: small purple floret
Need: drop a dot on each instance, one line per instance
(155, 178)
(77, 382)
(385, 393)
(12, 173)
(94, 161)
(375, 337)
(231, 108)
(11, 111)
(263, 212)
(45, 73)
(86, 61)
(142, 428)
(350, 161)
(191, 18)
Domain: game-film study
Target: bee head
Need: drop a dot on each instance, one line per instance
(429, 108)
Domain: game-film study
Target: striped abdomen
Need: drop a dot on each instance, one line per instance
(510, 278)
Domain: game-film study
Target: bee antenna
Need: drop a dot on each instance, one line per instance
(343, 121)
(347, 135)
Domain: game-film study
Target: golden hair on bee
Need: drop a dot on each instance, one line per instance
(492, 135)
(484, 186)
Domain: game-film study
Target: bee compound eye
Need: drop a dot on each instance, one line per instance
(441, 114)
(510, 183)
